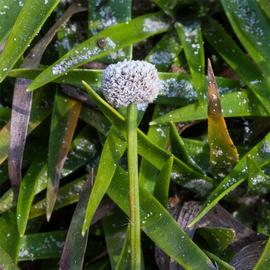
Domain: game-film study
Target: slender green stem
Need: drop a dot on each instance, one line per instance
(135, 232)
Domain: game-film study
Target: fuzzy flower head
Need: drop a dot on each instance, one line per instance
(130, 82)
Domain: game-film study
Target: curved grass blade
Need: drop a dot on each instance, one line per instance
(171, 82)
(163, 183)
(40, 111)
(34, 177)
(217, 238)
(252, 29)
(6, 262)
(112, 151)
(165, 52)
(222, 265)
(136, 30)
(100, 17)
(81, 152)
(9, 11)
(159, 136)
(265, 6)
(154, 154)
(42, 245)
(117, 239)
(22, 102)
(247, 70)
(28, 23)
(223, 153)
(178, 148)
(247, 106)
(260, 154)
(167, 6)
(155, 220)
(190, 36)
(9, 236)
(263, 262)
(65, 116)
(75, 244)
(124, 258)
(68, 194)
(258, 181)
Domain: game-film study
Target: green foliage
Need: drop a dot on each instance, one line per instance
(75, 167)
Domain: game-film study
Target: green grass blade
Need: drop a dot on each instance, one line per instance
(252, 29)
(217, 238)
(159, 135)
(165, 52)
(247, 106)
(179, 149)
(68, 194)
(106, 13)
(263, 262)
(247, 70)
(65, 116)
(155, 220)
(40, 111)
(6, 261)
(190, 36)
(9, 236)
(28, 23)
(258, 181)
(42, 245)
(113, 150)
(265, 6)
(75, 244)
(163, 183)
(34, 176)
(9, 11)
(260, 154)
(177, 87)
(117, 239)
(136, 30)
(154, 154)
(222, 265)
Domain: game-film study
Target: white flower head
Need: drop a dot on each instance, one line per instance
(130, 82)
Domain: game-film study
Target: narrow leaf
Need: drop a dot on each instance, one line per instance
(75, 244)
(68, 194)
(247, 106)
(165, 52)
(64, 121)
(163, 183)
(6, 262)
(22, 102)
(155, 220)
(263, 262)
(252, 29)
(100, 17)
(112, 151)
(247, 70)
(136, 30)
(42, 245)
(32, 16)
(260, 154)
(258, 181)
(190, 36)
(179, 149)
(223, 153)
(34, 177)
(9, 11)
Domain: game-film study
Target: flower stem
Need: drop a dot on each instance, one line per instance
(135, 232)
